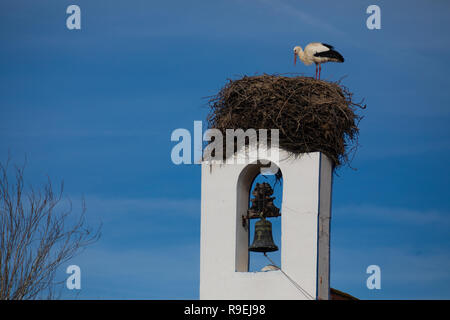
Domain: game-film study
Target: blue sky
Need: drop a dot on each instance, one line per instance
(96, 107)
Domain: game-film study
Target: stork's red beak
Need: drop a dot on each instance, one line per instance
(295, 58)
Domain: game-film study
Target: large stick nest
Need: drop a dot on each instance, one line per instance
(311, 115)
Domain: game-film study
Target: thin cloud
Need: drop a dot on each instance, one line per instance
(303, 17)
(139, 274)
(401, 266)
(116, 207)
(405, 150)
(404, 215)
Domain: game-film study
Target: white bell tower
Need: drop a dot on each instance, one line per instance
(305, 230)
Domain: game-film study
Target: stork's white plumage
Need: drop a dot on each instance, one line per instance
(318, 53)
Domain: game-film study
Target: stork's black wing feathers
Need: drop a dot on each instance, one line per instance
(332, 54)
(328, 46)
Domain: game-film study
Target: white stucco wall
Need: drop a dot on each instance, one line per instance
(224, 241)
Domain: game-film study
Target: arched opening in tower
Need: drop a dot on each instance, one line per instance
(265, 200)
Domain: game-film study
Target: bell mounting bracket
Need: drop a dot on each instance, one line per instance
(262, 204)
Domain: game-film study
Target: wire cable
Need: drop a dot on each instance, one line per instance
(296, 285)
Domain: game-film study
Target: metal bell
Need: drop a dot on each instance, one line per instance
(263, 240)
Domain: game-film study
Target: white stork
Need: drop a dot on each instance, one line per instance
(317, 53)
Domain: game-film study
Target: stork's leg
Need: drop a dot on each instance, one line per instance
(316, 72)
(320, 70)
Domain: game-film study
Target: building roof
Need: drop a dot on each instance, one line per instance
(339, 295)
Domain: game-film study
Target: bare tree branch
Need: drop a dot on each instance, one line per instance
(37, 235)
